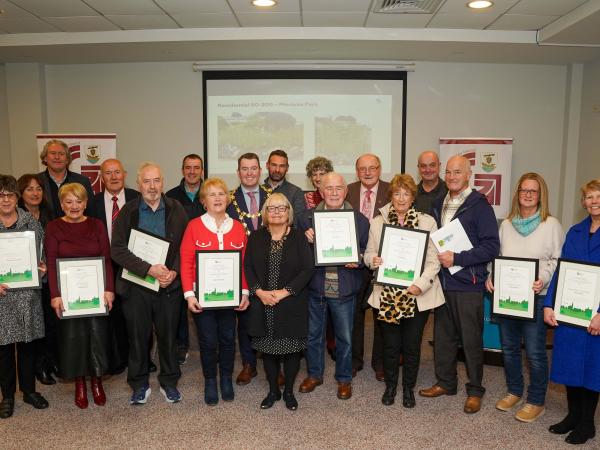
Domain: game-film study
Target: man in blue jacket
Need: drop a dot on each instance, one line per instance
(333, 289)
(460, 320)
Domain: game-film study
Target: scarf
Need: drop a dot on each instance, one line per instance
(528, 225)
(396, 303)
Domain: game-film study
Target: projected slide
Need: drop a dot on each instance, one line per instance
(339, 126)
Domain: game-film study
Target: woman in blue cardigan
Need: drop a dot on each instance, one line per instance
(576, 355)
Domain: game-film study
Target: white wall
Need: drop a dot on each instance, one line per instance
(5, 156)
(156, 111)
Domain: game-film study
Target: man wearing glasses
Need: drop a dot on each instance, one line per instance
(367, 195)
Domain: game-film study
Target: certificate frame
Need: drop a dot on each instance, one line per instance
(157, 249)
(585, 277)
(388, 273)
(25, 258)
(344, 221)
(90, 270)
(514, 276)
(218, 270)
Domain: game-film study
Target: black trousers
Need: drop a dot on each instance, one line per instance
(119, 342)
(358, 330)
(405, 338)
(26, 353)
(145, 311)
(459, 322)
(46, 347)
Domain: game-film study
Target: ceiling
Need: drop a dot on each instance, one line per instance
(87, 31)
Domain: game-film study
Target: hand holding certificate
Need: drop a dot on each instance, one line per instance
(452, 237)
(153, 250)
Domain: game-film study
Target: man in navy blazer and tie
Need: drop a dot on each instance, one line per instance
(107, 205)
(246, 203)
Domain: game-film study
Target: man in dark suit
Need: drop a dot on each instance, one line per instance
(107, 205)
(367, 195)
(246, 203)
(57, 158)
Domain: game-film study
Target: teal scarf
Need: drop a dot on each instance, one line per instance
(526, 226)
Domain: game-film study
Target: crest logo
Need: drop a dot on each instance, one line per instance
(92, 154)
(488, 161)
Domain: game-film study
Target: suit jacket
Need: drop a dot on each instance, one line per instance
(99, 206)
(241, 201)
(382, 199)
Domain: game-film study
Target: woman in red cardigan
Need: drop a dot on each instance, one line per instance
(214, 230)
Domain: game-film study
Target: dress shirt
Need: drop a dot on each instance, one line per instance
(245, 191)
(108, 207)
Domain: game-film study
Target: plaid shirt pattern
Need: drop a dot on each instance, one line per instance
(451, 205)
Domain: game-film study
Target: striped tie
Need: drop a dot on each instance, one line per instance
(115, 210)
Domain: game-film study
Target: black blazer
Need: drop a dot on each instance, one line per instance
(99, 210)
(241, 201)
(297, 264)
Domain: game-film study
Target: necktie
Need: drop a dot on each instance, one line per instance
(115, 210)
(366, 206)
(253, 209)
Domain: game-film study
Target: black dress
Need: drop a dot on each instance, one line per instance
(270, 344)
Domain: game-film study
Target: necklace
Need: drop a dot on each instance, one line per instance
(243, 214)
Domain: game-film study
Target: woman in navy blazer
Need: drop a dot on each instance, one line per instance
(576, 355)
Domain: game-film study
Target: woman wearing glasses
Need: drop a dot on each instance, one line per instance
(279, 265)
(214, 230)
(529, 231)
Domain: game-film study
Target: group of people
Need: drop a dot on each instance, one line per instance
(289, 307)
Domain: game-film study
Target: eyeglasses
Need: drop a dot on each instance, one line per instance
(526, 192)
(368, 169)
(279, 209)
(8, 195)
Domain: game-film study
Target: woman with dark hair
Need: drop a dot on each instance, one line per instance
(82, 342)
(576, 354)
(32, 200)
(315, 169)
(529, 231)
(21, 316)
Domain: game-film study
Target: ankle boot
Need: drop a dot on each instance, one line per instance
(211, 395)
(226, 384)
(81, 399)
(575, 405)
(408, 397)
(585, 429)
(98, 391)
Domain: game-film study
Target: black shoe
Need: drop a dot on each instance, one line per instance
(408, 398)
(270, 399)
(7, 406)
(182, 354)
(36, 400)
(581, 434)
(118, 370)
(564, 426)
(45, 377)
(211, 394)
(152, 367)
(290, 401)
(389, 395)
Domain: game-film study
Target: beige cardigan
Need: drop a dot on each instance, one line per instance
(431, 290)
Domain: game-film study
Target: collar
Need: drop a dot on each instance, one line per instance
(373, 189)
(55, 180)
(245, 190)
(145, 206)
(211, 224)
(109, 196)
(460, 198)
(267, 183)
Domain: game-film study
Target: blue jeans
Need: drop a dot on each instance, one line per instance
(342, 316)
(216, 337)
(534, 335)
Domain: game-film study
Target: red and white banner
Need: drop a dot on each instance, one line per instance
(491, 160)
(88, 151)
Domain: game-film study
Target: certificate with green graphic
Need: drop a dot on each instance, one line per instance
(577, 293)
(336, 238)
(81, 282)
(403, 251)
(513, 287)
(151, 249)
(219, 278)
(19, 260)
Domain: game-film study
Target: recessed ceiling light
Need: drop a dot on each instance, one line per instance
(264, 3)
(480, 4)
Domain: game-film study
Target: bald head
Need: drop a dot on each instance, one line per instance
(458, 173)
(429, 167)
(368, 169)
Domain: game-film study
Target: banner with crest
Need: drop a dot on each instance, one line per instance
(88, 151)
(491, 160)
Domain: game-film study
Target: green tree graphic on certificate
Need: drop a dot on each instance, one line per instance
(81, 303)
(11, 277)
(577, 313)
(399, 274)
(514, 304)
(218, 280)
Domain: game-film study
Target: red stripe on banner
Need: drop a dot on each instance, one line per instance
(475, 141)
(76, 136)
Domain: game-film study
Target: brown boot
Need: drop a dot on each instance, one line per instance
(248, 372)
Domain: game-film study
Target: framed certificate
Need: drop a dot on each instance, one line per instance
(336, 238)
(577, 293)
(219, 278)
(150, 248)
(19, 260)
(81, 282)
(513, 287)
(403, 251)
